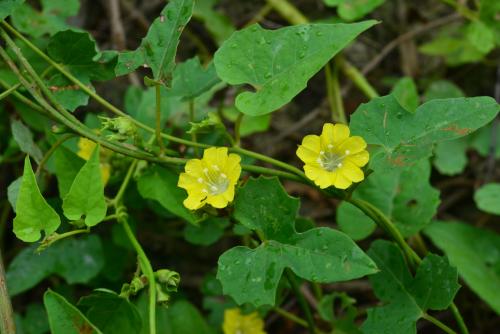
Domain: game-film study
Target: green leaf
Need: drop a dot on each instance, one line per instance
(35, 320)
(405, 196)
(405, 138)
(85, 198)
(455, 50)
(179, 318)
(487, 198)
(249, 124)
(207, 233)
(160, 184)
(191, 79)
(77, 51)
(66, 93)
(442, 89)
(24, 138)
(480, 36)
(111, 313)
(351, 10)
(75, 260)
(345, 322)
(159, 47)
(278, 63)
(33, 213)
(405, 91)
(320, 254)
(219, 26)
(488, 14)
(407, 297)
(475, 252)
(51, 19)
(8, 6)
(482, 141)
(67, 165)
(64, 318)
(450, 156)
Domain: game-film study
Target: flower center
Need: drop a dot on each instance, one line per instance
(329, 160)
(214, 180)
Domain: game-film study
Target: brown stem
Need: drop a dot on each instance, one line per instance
(7, 325)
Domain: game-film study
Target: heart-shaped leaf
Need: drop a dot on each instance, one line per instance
(278, 63)
(33, 213)
(319, 254)
(407, 297)
(86, 195)
(406, 137)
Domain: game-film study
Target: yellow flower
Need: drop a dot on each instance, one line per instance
(333, 158)
(237, 323)
(211, 180)
(85, 149)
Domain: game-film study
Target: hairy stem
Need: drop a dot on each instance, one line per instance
(7, 325)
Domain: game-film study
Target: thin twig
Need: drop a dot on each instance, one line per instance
(118, 34)
(7, 325)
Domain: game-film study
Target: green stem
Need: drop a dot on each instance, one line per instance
(147, 269)
(52, 149)
(192, 120)
(9, 91)
(288, 11)
(458, 317)
(61, 114)
(334, 95)
(50, 239)
(302, 301)
(23, 99)
(7, 325)
(462, 9)
(271, 172)
(269, 160)
(438, 323)
(357, 78)
(237, 126)
(116, 201)
(380, 219)
(291, 316)
(159, 139)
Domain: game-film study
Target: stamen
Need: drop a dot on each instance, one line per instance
(321, 152)
(200, 180)
(347, 152)
(339, 164)
(214, 188)
(330, 146)
(205, 170)
(204, 190)
(215, 167)
(224, 176)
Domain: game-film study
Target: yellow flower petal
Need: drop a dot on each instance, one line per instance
(333, 158)
(237, 323)
(342, 182)
(306, 155)
(354, 145)
(312, 142)
(352, 172)
(359, 159)
(105, 172)
(217, 201)
(334, 134)
(211, 180)
(85, 148)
